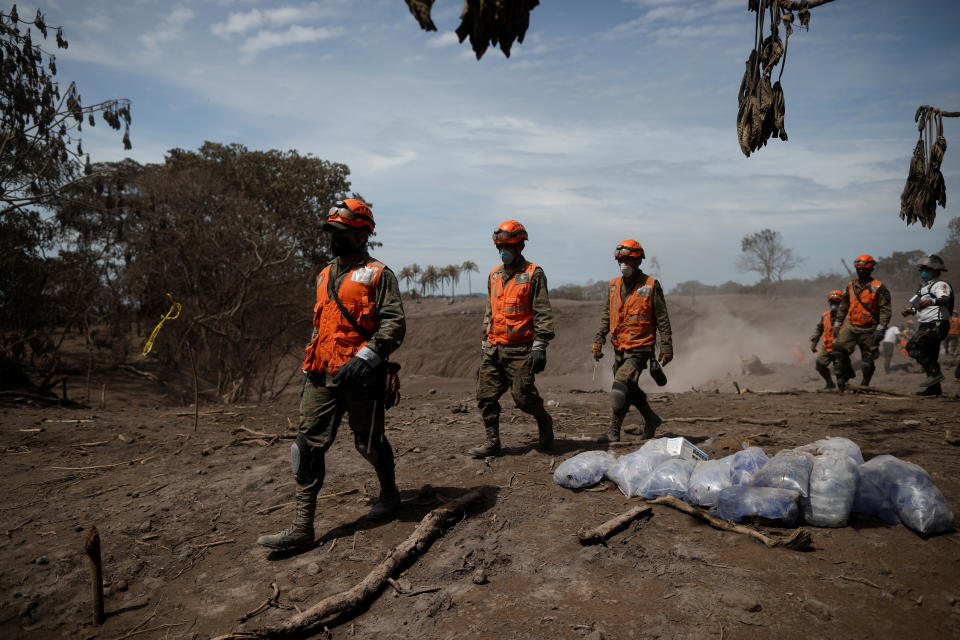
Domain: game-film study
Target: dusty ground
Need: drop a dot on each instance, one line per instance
(179, 510)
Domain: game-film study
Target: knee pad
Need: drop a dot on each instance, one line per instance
(307, 465)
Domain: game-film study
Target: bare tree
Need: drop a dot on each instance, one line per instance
(765, 253)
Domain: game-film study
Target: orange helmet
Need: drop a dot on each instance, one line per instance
(628, 248)
(835, 296)
(864, 261)
(350, 215)
(509, 232)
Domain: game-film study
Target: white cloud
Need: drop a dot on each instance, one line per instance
(170, 29)
(296, 34)
(241, 22)
(443, 40)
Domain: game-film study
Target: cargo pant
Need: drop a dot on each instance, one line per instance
(924, 347)
(501, 368)
(321, 411)
(627, 367)
(823, 362)
(846, 343)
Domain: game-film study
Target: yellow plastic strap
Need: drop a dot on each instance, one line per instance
(172, 314)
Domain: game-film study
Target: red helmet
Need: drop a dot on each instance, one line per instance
(350, 215)
(509, 232)
(629, 248)
(835, 296)
(864, 261)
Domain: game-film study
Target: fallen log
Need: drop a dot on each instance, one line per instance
(367, 589)
(696, 419)
(799, 540)
(601, 532)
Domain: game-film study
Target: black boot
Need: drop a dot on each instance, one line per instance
(613, 431)
(868, 368)
(932, 390)
(299, 535)
(389, 500)
(544, 428)
(825, 374)
(650, 419)
(491, 446)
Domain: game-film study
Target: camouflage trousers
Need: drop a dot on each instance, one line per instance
(924, 347)
(847, 342)
(627, 367)
(824, 360)
(321, 411)
(501, 368)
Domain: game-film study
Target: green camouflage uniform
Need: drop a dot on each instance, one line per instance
(505, 367)
(852, 336)
(629, 364)
(824, 358)
(323, 404)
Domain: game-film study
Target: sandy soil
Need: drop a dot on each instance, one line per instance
(178, 509)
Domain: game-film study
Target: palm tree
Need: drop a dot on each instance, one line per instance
(406, 275)
(452, 273)
(429, 278)
(468, 266)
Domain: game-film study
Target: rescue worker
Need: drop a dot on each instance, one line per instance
(517, 326)
(861, 320)
(825, 329)
(635, 313)
(358, 322)
(932, 304)
(888, 345)
(952, 343)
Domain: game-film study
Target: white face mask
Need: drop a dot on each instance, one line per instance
(626, 269)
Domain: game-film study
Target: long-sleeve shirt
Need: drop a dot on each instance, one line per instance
(883, 299)
(818, 331)
(539, 300)
(659, 312)
(391, 320)
(940, 296)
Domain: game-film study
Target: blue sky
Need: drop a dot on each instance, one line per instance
(613, 119)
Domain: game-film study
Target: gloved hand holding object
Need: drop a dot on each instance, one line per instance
(538, 360)
(356, 368)
(597, 350)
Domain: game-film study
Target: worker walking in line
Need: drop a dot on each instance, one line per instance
(861, 321)
(636, 311)
(517, 326)
(932, 304)
(358, 321)
(952, 343)
(825, 329)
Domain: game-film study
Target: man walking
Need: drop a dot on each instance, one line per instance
(517, 326)
(635, 313)
(861, 321)
(358, 322)
(825, 329)
(932, 304)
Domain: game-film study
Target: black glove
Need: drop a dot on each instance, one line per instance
(538, 360)
(352, 371)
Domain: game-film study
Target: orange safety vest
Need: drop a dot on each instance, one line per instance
(827, 325)
(865, 313)
(511, 307)
(336, 340)
(632, 324)
(954, 326)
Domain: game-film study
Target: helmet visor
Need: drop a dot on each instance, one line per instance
(624, 251)
(502, 236)
(343, 212)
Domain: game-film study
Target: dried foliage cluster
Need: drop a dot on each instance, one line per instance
(40, 148)
(925, 187)
(486, 22)
(762, 107)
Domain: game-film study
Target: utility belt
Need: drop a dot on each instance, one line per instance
(386, 377)
(939, 328)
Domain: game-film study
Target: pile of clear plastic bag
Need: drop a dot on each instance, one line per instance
(583, 470)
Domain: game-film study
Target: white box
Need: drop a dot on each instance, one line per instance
(683, 448)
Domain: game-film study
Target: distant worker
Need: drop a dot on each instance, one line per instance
(825, 329)
(861, 320)
(634, 314)
(889, 344)
(517, 326)
(358, 321)
(952, 343)
(932, 304)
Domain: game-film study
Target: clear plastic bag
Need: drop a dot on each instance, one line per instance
(745, 465)
(833, 485)
(709, 477)
(834, 444)
(671, 477)
(583, 470)
(631, 470)
(897, 490)
(737, 503)
(789, 469)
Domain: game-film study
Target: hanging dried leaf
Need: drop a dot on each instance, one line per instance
(494, 22)
(421, 11)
